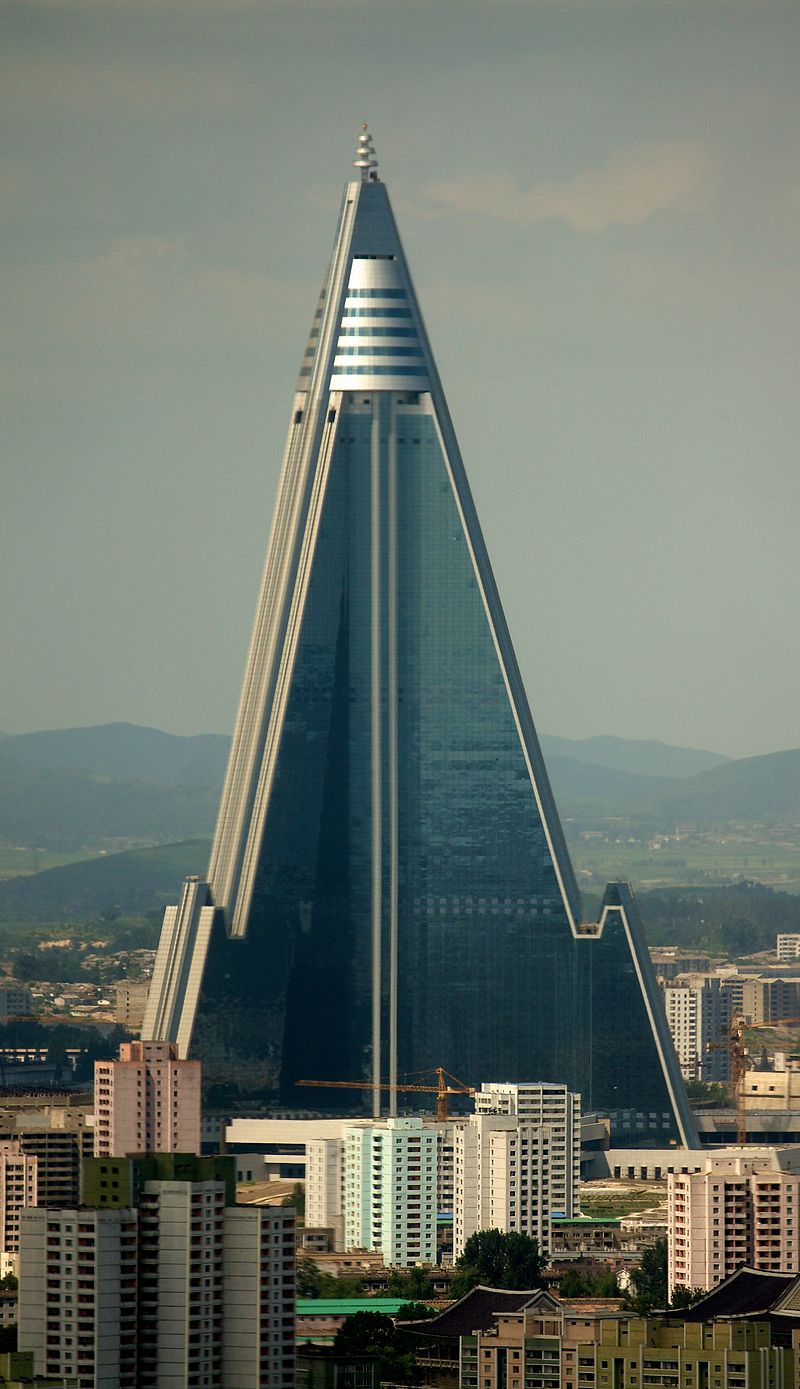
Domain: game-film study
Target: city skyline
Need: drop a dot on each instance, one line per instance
(601, 206)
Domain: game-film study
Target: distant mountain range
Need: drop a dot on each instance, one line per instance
(119, 785)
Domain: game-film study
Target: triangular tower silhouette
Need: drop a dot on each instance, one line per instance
(389, 887)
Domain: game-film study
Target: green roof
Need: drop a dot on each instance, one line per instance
(346, 1306)
(585, 1220)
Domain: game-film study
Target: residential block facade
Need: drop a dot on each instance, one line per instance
(728, 1215)
(159, 1281)
(390, 1190)
(148, 1101)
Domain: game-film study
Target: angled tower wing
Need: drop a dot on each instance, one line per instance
(389, 886)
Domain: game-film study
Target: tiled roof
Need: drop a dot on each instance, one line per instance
(477, 1311)
(745, 1293)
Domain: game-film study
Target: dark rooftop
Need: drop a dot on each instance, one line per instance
(475, 1311)
(744, 1293)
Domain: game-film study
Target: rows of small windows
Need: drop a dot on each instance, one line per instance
(376, 294)
(390, 331)
(384, 350)
(376, 312)
(371, 370)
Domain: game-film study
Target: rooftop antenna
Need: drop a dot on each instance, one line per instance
(365, 159)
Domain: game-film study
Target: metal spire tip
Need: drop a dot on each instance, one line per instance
(366, 159)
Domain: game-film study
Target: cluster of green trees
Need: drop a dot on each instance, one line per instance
(373, 1333)
(729, 921)
(499, 1260)
(648, 1290)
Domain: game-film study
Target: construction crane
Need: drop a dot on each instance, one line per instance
(442, 1089)
(736, 1046)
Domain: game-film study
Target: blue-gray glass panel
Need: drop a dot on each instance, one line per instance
(492, 982)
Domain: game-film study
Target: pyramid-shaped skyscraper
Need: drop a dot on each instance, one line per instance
(389, 888)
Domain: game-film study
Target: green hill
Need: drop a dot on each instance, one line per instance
(135, 882)
(125, 752)
(56, 808)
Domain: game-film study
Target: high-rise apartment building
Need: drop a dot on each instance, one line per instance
(159, 1281)
(19, 1187)
(390, 1190)
(78, 1294)
(545, 1105)
(389, 886)
(733, 1213)
(699, 1014)
(506, 1170)
(325, 1186)
(146, 1102)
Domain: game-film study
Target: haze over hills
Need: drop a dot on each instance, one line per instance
(119, 785)
(125, 751)
(642, 757)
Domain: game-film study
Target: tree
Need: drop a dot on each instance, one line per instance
(366, 1332)
(313, 1282)
(686, 1297)
(415, 1311)
(298, 1200)
(373, 1333)
(574, 1283)
(416, 1285)
(308, 1279)
(500, 1260)
(649, 1282)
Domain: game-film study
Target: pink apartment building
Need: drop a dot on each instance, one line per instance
(146, 1102)
(736, 1212)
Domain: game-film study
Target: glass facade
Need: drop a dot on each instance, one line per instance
(402, 789)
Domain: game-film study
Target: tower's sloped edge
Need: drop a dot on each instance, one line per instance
(619, 906)
(389, 886)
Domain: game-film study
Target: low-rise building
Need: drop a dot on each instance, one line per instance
(495, 1340)
(16, 1000)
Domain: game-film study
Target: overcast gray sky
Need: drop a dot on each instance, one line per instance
(600, 202)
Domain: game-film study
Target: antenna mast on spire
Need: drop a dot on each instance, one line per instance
(366, 159)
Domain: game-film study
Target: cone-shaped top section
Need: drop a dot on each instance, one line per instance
(366, 159)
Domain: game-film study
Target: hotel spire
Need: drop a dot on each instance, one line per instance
(366, 159)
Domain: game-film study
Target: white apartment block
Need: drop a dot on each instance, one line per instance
(146, 1102)
(730, 1214)
(552, 1106)
(390, 1189)
(19, 1188)
(502, 1179)
(787, 946)
(699, 1011)
(325, 1186)
(77, 1295)
(180, 1293)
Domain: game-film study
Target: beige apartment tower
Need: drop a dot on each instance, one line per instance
(731, 1214)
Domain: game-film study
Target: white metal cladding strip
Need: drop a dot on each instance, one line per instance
(256, 719)
(283, 681)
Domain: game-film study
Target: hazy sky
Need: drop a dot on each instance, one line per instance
(600, 202)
